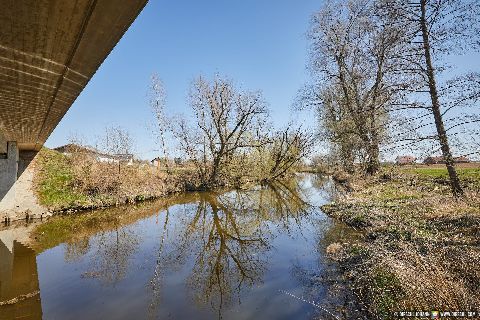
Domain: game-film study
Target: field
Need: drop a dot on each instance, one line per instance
(439, 171)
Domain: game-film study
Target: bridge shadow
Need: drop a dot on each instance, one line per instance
(19, 286)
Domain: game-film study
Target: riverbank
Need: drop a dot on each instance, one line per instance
(77, 182)
(421, 247)
(239, 254)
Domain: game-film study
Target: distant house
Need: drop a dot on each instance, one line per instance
(101, 157)
(441, 160)
(124, 158)
(70, 148)
(461, 159)
(73, 148)
(433, 160)
(403, 160)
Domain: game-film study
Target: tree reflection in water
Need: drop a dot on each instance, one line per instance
(224, 239)
(228, 237)
(158, 273)
(112, 254)
(75, 250)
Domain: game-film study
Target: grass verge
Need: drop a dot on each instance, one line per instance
(421, 247)
(78, 182)
(54, 181)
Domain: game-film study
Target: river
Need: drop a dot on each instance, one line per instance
(256, 254)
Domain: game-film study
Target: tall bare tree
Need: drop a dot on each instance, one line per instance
(354, 61)
(117, 142)
(437, 29)
(227, 119)
(158, 101)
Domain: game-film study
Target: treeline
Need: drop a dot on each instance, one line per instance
(379, 79)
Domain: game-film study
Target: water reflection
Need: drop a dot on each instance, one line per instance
(228, 237)
(18, 279)
(202, 255)
(158, 274)
(229, 248)
(75, 250)
(113, 251)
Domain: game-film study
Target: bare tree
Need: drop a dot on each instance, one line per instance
(286, 150)
(117, 143)
(354, 60)
(158, 99)
(436, 29)
(227, 120)
(193, 145)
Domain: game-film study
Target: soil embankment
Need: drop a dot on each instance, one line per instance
(67, 183)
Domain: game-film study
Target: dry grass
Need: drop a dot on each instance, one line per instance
(421, 249)
(79, 181)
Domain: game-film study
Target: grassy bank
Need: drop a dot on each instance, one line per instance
(421, 247)
(79, 182)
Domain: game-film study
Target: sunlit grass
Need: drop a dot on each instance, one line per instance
(54, 180)
(412, 223)
(464, 173)
(469, 176)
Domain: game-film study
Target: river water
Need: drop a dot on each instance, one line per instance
(257, 254)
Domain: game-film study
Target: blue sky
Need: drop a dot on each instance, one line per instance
(259, 44)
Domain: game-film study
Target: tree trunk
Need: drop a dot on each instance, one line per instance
(347, 159)
(165, 153)
(442, 134)
(373, 163)
(213, 176)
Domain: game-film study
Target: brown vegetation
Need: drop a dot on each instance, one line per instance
(79, 181)
(421, 248)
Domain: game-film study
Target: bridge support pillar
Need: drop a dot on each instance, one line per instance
(8, 176)
(17, 198)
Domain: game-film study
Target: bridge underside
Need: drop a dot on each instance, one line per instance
(49, 50)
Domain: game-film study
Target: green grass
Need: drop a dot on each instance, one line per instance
(387, 291)
(463, 173)
(470, 177)
(54, 181)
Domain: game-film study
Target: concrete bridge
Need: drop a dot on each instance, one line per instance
(49, 50)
